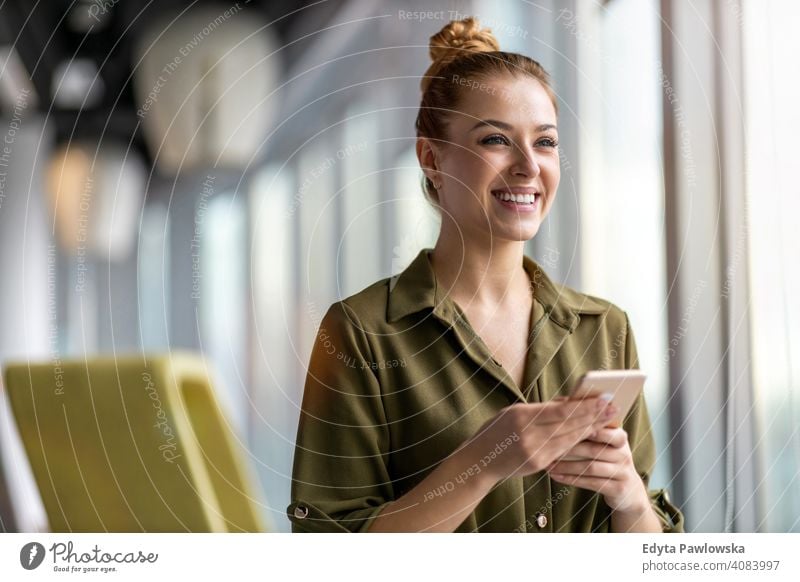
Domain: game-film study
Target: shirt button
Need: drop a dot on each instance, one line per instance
(541, 520)
(300, 512)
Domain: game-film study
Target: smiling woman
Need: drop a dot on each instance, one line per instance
(473, 431)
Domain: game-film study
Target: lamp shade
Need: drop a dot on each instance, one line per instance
(96, 195)
(201, 87)
(69, 188)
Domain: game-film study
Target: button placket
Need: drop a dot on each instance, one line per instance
(476, 349)
(474, 337)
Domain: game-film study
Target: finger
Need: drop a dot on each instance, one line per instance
(557, 410)
(588, 449)
(586, 469)
(563, 441)
(602, 420)
(615, 437)
(598, 484)
(568, 434)
(580, 411)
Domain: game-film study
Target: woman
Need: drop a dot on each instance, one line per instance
(435, 400)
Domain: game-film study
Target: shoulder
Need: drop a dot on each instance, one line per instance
(365, 309)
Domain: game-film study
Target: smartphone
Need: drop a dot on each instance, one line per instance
(623, 385)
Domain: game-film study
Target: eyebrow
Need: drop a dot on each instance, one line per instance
(505, 126)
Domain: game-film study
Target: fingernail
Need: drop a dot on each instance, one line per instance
(606, 396)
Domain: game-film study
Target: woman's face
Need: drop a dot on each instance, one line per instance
(498, 169)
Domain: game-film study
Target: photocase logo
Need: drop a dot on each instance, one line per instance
(31, 555)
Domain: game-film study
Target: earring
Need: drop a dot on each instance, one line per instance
(437, 186)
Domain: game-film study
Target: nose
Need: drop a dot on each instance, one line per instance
(525, 163)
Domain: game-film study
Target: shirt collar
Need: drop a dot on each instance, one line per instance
(415, 289)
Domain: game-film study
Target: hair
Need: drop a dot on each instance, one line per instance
(464, 50)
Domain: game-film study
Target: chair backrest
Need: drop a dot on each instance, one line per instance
(132, 444)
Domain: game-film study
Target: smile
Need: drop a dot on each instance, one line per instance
(521, 202)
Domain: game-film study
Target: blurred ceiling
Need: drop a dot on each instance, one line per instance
(96, 39)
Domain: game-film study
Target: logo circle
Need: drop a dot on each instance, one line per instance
(31, 555)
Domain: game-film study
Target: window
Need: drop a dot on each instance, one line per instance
(152, 280)
(277, 369)
(621, 194)
(361, 202)
(771, 46)
(416, 221)
(223, 299)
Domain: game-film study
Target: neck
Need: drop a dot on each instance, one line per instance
(480, 273)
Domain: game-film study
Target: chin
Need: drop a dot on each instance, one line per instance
(509, 235)
(523, 233)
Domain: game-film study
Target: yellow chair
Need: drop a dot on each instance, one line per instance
(132, 444)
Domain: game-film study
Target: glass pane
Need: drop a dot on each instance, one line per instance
(361, 202)
(416, 221)
(622, 211)
(772, 126)
(153, 280)
(277, 371)
(223, 299)
(316, 209)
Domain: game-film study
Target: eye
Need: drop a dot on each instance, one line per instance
(548, 142)
(495, 139)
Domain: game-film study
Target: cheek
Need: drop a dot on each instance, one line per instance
(551, 169)
(478, 172)
(472, 172)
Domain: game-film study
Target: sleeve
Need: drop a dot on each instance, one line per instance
(642, 443)
(340, 480)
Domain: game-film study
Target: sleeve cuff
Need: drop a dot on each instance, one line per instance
(670, 516)
(308, 518)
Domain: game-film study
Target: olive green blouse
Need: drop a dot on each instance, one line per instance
(398, 379)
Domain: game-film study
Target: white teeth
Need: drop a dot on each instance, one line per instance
(517, 198)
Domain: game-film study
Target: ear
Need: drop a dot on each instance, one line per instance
(428, 157)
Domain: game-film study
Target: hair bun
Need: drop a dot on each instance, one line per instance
(458, 36)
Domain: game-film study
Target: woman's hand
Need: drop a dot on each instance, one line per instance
(525, 438)
(607, 468)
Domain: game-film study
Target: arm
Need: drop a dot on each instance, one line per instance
(340, 477)
(422, 510)
(640, 518)
(539, 433)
